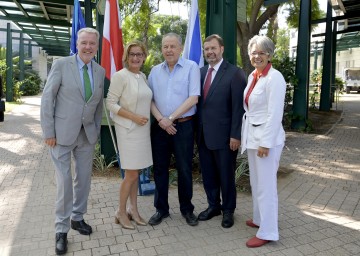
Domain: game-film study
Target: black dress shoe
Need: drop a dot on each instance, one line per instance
(157, 218)
(191, 219)
(61, 243)
(228, 220)
(209, 213)
(82, 227)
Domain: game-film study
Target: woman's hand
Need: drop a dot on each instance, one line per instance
(263, 152)
(140, 120)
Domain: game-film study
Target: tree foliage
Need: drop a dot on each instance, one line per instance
(259, 17)
(293, 8)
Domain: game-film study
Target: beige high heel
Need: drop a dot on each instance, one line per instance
(118, 221)
(140, 221)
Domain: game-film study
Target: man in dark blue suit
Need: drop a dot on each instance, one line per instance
(220, 111)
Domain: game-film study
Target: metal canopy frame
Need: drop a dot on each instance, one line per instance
(48, 22)
(348, 15)
(350, 34)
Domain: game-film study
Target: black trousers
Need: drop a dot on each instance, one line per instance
(218, 173)
(182, 146)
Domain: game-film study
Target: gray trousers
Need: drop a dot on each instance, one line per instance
(72, 192)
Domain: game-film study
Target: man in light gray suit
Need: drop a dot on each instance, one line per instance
(71, 110)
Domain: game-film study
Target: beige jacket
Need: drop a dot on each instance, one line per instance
(123, 93)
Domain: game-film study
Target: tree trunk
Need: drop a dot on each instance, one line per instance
(243, 37)
(246, 30)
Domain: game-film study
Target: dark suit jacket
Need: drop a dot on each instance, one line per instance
(220, 115)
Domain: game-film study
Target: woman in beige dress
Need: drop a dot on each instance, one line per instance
(129, 100)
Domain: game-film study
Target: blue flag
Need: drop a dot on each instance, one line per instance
(78, 23)
(193, 45)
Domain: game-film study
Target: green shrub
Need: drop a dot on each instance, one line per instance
(32, 84)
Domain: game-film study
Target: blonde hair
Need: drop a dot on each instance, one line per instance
(134, 43)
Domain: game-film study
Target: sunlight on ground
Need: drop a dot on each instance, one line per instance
(334, 217)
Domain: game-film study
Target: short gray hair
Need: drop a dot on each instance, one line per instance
(265, 44)
(89, 30)
(172, 34)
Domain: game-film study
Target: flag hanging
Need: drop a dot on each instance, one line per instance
(78, 23)
(112, 43)
(192, 48)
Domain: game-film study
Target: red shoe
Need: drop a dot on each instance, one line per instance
(256, 242)
(250, 223)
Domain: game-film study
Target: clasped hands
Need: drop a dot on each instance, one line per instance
(167, 125)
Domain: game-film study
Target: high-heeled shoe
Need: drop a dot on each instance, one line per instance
(139, 221)
(118, 221)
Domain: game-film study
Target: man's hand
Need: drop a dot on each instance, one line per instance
(51, 142)
(171, 129)
(234, 144)
(165, 123)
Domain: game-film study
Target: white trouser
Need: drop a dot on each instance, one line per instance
(263, 181)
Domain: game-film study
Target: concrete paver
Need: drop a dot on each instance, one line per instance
(319, 210)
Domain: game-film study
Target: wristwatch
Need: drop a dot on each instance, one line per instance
(171, 118)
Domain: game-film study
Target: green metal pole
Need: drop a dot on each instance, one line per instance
(9, 65)
(326, 78)
(300, 101)
(316, 55)
(221, 20)
(88, 14)
(21, 58)
(30, 50)
(333, 64)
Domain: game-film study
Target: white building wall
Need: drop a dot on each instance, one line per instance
(39, 63)
(347, 59)
(39, 57)
(344, 59)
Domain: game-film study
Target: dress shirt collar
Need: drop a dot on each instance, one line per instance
(217, 66)
(180, 62)
(81, 63)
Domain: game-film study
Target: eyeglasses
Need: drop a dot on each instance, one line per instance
(261, 54)
(139, 55)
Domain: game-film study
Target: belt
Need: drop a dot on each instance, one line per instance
(184, 119)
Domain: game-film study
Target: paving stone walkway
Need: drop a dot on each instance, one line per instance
(319, 200)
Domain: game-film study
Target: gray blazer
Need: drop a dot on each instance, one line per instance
(63, 107)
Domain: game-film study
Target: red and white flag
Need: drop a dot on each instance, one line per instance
(112, 43)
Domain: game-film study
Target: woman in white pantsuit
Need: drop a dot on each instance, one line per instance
(263, 136)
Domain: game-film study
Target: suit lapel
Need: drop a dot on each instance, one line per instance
(75, 70)
(203, 75)
(95, 69)
(217, 78)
